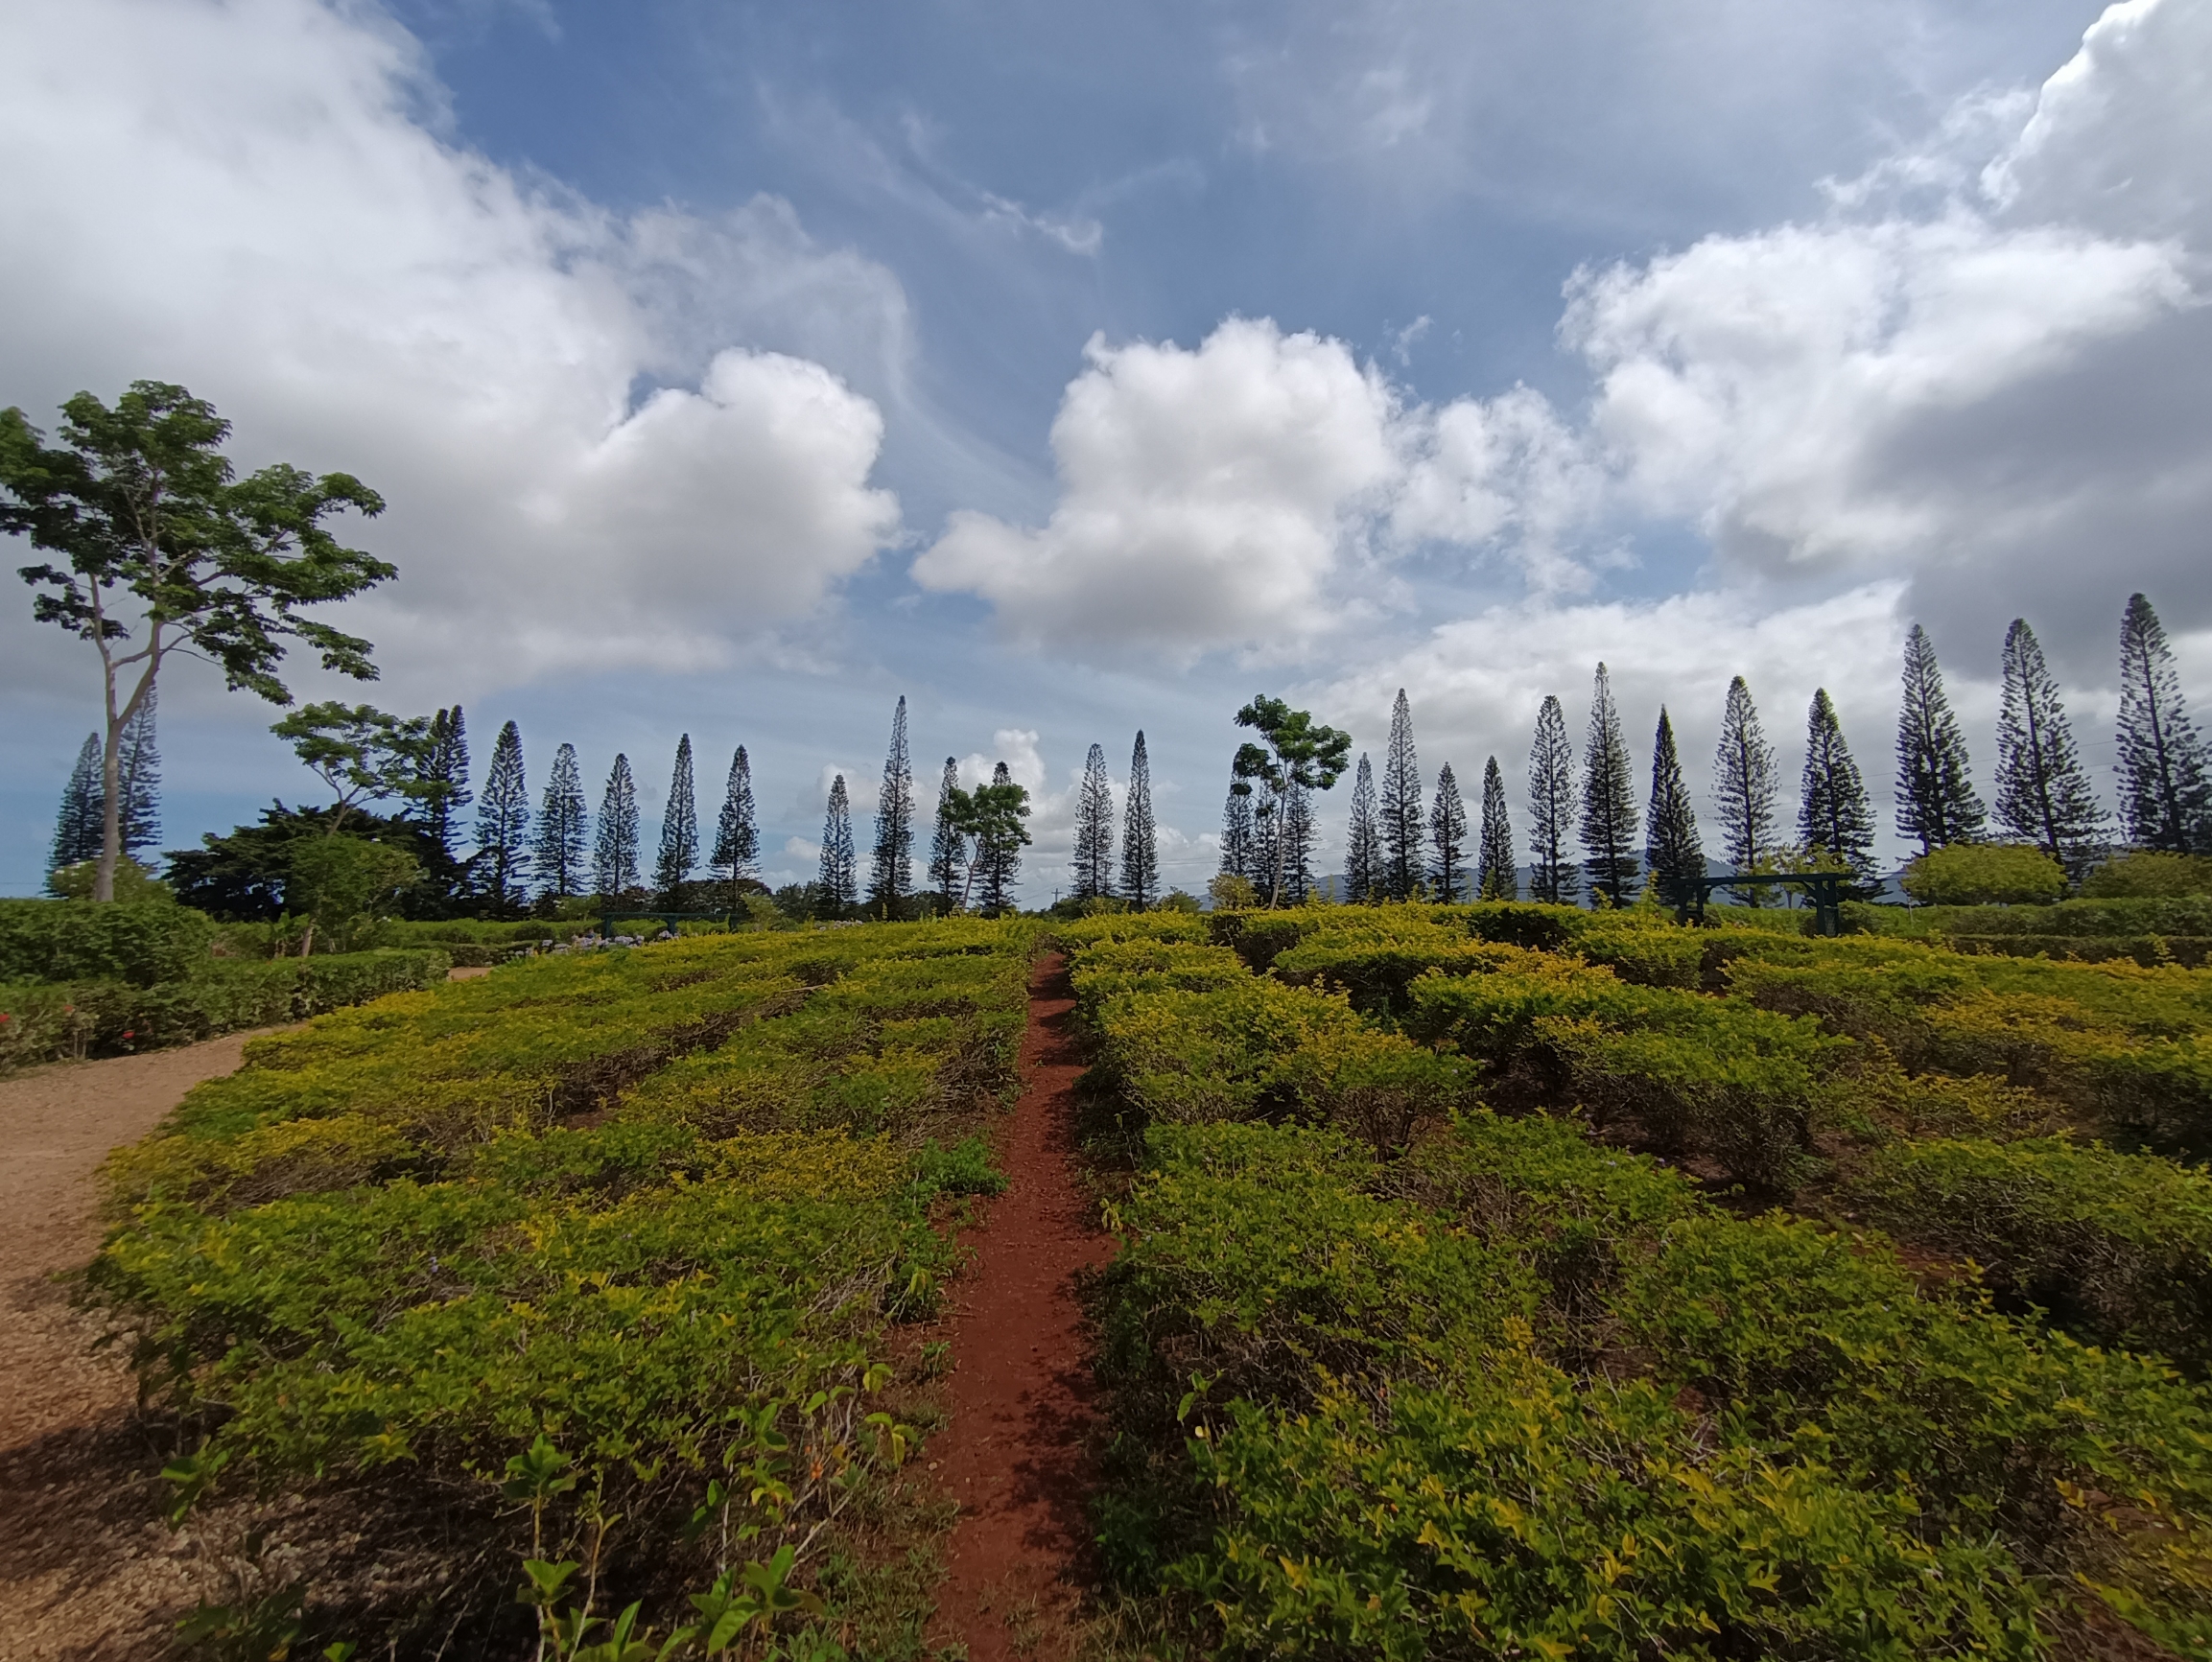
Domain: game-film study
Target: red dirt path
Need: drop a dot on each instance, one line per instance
(1014, 1456)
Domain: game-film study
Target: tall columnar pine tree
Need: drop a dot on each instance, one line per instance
(1673, 848)
(1297, 833)
(948, 841)
(162, 550)
(1000, 839)
(1363, 841)
(563, 831)
(838, 880)
(1093, 864)
(1139, 836)
(1448, 837)
(1496, 876)
(1266, 838)
(443, 793)
(141, 779)
(2165, 775)
(615, 853)
(1404, 830)
(2043, 794)
(1239, 858)
(1744, 788)
(76, 829)
(1552, 807)
(1609, 817)
(1834, 821)
(679, 829)
(1294, 754)
(736, 854)
(1935, 799)
(891, 866)
(503, 823)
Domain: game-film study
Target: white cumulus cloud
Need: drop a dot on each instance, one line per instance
(1206, 495)
(2004, 393)
(1219, 496)
(589, 455)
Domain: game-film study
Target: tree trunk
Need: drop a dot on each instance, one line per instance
(112, 772)
(111, 808)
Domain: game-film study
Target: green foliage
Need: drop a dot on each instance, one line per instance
(45, 1021)
(340, 883)
(1397, 1391)
(1189, 1034)
(133, 883)
(161, 550)
(2145, 873)
(1985, 874)
(1513, 1393)
(2185, 915)
(613, 1239)
(2117, 1247)
(363, 754)
(136, 942)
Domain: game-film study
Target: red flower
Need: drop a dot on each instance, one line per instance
(3, 1015)
(127, 1033)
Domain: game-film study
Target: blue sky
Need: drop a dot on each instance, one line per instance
(735, 369)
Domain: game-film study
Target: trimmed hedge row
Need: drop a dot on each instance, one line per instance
(2116, 1248)
(138, 943)
(1189, 1034)
(1516, 1393)
(44, 1022)
(601, 1250)
(2189, 951)
(2186, 915)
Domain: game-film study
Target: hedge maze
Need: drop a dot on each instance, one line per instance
(1504, 1281)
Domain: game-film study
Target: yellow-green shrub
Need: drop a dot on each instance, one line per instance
(519, 1220)
(1519, 1394)
(2116, 1247)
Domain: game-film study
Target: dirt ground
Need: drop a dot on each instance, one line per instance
(1015, 1454)
(82, 1559)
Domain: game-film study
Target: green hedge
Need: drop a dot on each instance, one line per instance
(45, 1021)
(2116, 1247)
(2189, 915)
(1517, 1394)
(643, 1215)
(2189, 951)
(139, 943)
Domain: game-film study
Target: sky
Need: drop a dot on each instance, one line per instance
(734, 369)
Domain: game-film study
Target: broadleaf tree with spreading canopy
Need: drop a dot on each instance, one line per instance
(1294, 751)
(160, 550)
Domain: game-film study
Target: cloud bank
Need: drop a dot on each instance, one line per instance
(592, 456)
(1984, 377)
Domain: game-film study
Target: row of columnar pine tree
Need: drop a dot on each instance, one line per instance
(552, 850)
(1397, 851)
(564, 848)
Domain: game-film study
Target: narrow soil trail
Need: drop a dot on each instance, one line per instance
(83, 1560)
(1015, 1454)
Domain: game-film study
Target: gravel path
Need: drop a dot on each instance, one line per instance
(82, 1561)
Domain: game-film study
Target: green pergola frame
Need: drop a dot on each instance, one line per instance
(1689, 895)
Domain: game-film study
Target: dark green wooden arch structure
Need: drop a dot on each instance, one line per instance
(1689, 895)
